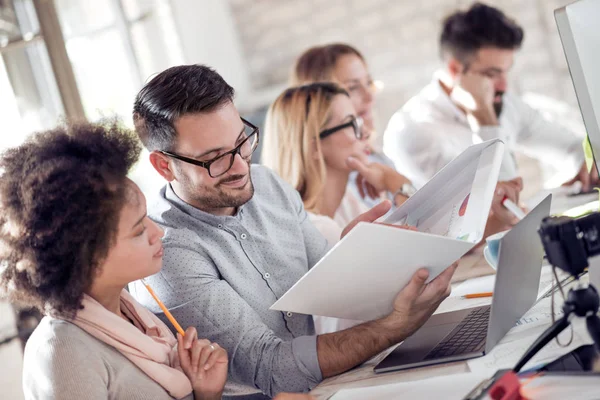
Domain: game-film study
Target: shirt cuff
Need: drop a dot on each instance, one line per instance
(304, 349)
(489, 132)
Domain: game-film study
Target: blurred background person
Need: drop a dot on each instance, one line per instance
(469, 101)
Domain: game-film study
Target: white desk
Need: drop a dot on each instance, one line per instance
(504, 355)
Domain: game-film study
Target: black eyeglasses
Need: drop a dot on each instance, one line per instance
(356, 123)
(221, 164)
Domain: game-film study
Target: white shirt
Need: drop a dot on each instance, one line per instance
(350, 208)
(430, 131)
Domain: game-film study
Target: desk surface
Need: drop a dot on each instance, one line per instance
(505, 354)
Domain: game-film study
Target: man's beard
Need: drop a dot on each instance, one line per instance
(219, 196)
(498, 105)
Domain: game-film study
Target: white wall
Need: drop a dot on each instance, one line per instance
(208, 36)
(399, 39)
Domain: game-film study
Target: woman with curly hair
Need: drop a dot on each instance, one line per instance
(73, 233)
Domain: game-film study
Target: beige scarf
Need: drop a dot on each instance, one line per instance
(149, 344)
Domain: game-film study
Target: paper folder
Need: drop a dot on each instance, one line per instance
(361, 275)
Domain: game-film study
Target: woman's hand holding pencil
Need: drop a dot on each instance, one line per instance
(204, 363)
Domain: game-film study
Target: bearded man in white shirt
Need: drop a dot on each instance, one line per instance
(468, 102)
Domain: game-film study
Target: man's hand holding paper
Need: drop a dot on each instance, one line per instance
(361, 276)
(419, 300)
(412, 307)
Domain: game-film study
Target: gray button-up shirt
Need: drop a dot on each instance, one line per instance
(222, 273)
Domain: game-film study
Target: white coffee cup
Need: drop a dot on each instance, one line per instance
(490, 252)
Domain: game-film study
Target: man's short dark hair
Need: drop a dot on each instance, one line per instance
(465, 32)
(175, 92)
(61, 194)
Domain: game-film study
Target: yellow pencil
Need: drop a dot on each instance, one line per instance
(478, 295)
(164, 308)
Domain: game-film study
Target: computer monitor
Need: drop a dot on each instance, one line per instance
(580, 36)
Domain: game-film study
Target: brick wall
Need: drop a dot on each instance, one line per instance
(398, 38)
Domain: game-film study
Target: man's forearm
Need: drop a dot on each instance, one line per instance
(340, 351)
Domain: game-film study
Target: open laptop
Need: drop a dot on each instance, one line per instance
(473, 332)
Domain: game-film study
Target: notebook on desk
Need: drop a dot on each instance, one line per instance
(361, 275)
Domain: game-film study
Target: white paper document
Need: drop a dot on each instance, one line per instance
(362, 274)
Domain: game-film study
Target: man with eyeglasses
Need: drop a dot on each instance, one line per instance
(237, 238)
(469, 101)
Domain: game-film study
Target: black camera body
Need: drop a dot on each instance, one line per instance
(569, 242)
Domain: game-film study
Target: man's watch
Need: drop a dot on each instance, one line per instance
(406, 190)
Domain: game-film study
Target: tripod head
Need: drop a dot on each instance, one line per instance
(569, 243)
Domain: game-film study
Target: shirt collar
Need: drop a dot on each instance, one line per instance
(441, 100)
(198, 214)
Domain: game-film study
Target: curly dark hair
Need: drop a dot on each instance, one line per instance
(465, 32)
(175, 92)
(61, 195)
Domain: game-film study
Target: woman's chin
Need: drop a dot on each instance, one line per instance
(153, 269)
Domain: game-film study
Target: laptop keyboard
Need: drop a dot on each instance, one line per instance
(469, 336)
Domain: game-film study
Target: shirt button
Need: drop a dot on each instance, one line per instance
(243, 236)
(267, 275)
(289, 314)
(220, 226)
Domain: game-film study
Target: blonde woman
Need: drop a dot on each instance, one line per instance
(346, 66)
(314, 139)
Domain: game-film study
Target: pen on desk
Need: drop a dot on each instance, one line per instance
(513, 208)
(164, 308)
(478, 295)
